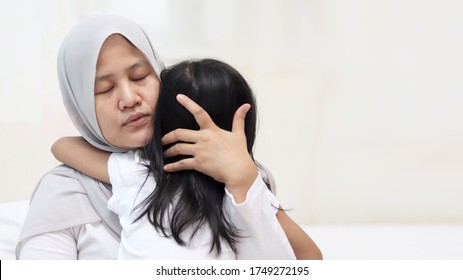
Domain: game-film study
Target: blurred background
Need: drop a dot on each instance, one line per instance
(360, 102)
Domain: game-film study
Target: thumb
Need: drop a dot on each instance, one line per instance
(239, 117)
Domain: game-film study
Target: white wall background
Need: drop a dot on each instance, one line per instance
(360, 102)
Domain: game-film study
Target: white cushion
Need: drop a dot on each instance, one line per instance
(12, 215)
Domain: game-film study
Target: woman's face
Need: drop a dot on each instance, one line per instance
(126, 92)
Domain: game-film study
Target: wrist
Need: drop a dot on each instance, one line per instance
(239, 184)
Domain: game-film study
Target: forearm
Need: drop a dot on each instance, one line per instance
(270, 232)
(80, 155)
(303, 246)
(239, 185)
(262, 235)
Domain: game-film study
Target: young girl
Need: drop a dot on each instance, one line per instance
(185, 214)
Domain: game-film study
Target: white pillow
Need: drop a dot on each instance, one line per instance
(12, 215)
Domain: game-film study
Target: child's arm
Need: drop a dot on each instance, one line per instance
(303, 246)
(80, 155)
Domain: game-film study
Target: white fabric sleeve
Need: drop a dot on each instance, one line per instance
(115, 178)
(120, 171)
(127, 173)
(57, 245)
(262, 235)
(94, 242)
(84, 242)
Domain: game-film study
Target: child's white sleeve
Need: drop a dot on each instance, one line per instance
(262, 235)
(115, 170)
(124, 173)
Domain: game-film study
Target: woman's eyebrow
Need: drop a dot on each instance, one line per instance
(102, 77)
(139, 63)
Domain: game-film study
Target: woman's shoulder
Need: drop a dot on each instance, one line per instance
(59, 175)
(66, 188)
(65, 198)
(64, 181)
(62, 171)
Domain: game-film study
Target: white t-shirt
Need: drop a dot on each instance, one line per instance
(255, 217)
(82, 242)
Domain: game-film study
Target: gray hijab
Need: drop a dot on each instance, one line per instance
(77, 60)
(64, 197)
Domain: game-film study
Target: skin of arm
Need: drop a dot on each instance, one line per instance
(303, 246)
(238, 177)
(77, 153)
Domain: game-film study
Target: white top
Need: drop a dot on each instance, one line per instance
(256, 218)
(83, 242)
(140, 240)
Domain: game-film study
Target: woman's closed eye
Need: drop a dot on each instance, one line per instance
(104, 90)
(139, 79)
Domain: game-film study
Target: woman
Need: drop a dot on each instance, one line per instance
(72, 222)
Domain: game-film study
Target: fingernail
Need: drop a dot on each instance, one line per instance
(180, 96)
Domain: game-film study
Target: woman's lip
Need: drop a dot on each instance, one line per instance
(134, 117)
(136, 122)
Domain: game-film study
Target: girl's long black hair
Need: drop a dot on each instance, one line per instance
(189, 198)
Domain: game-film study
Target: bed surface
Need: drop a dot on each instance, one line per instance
(389, 241)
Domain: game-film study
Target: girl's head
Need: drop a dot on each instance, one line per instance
(190, 198)
(108, 73)
(214, 85)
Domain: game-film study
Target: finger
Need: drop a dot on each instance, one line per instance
(184, 164)
(180, 134)
(180, 149)
(201, 116)
(239, 118)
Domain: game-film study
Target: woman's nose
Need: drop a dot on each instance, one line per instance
(129, 96)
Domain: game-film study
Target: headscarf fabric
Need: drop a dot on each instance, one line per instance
(77, 60)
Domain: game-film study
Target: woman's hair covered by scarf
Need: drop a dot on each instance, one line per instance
(77, 60)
